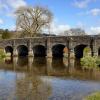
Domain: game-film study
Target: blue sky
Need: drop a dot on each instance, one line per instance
(67, 13)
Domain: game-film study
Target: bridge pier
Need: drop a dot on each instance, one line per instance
(15, 52)
(30, 62)
(95, 48)
(30, 50)
(49, 52)
(30, 53)
(15, 60)
(49, 48)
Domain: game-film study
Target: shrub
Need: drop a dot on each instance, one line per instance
(2, 54)
(89, 62)
(98, 61)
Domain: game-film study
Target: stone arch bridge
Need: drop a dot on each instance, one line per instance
(51, 46)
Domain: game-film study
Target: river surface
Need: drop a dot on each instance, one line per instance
(46, 79)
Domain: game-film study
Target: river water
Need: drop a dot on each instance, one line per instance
(46, 79)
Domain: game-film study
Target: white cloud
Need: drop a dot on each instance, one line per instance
(95, 30)
(16, 3)
(8, 7)
(95, 11)
(1, 21)
(11, 4)
(59, 28)
(56, 28)
(82, 3)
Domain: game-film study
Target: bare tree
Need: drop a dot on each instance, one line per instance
(33, 19)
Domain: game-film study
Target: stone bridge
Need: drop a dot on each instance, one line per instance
(51, 46)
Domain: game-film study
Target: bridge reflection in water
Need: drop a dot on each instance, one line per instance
(28, 78)
(49, 66)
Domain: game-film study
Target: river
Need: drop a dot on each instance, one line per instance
(28, 78)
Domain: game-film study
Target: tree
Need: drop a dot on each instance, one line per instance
(75, 32)
(33, 19)
(6, 34)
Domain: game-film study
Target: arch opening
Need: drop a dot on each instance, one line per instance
(22, 50)
(78, 50)
(58, 50)
(87, 51)
(99, 52)
(9, 49)
(39, 51)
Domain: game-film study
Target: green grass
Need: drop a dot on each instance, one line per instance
(94, 96)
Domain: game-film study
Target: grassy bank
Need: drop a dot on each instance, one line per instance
(94, 96)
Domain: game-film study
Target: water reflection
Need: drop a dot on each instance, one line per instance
(9, 60)
(39, 65)
(22, 61)
(51, 67)
(31, 87)
(34, 79)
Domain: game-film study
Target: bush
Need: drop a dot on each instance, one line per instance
(2, 54)
(98, 61)
(89, 62)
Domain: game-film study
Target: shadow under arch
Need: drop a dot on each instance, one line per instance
(22, 50)
(39, 51)
(39, 61)
(58, 64)
(58, 50)
(40, 65)
(99, 51)
(78, 50)
(9, 49)
(22, 61)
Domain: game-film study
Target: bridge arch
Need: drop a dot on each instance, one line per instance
(9, 49)
(58, 50)
(78, 50)
(99, 51)
(39, 51)
(22, 50)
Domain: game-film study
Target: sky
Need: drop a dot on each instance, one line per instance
(67, 14)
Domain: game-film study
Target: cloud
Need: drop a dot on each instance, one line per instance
(9, 6)
(95, 30)
(59, 28)
(95, 11)
(1, 21)
(16, 3)
(56, 28)
(82, 3)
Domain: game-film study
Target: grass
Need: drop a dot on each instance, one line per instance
(94, 96)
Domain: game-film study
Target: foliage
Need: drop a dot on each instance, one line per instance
(98, 61)
(2, 54)
(6, 34)
(94, 96)
(89, 62)
(87, 51)
(32, 20)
